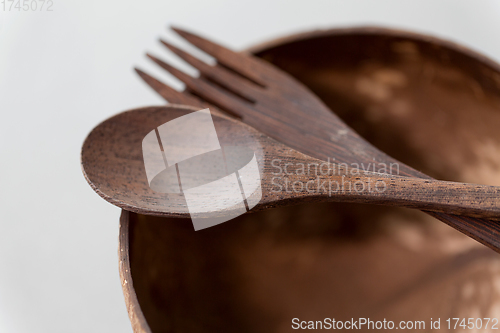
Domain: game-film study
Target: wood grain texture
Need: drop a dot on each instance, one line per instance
(113, 166)
(310, 262)
(318, 260)
(287, 112)
(446, 108)
(139, 324)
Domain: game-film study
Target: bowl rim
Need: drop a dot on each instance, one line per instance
(136, 316)
(376, 30)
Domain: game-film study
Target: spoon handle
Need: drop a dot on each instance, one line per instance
(441, 196)
(455, 198)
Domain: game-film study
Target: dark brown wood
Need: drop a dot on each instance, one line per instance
(112, 164)
(311, 262)
(320, 260)
(137, 319)
(286, 111)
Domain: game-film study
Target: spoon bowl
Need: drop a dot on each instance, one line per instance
(203, 178)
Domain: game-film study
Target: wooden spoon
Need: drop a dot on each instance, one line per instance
(112, 161)
(285, 110)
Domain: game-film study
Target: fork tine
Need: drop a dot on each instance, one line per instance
(250, 68)
(209, 92)
(219, 74)
(169, 94)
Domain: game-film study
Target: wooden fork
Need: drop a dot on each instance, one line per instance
(276, 104)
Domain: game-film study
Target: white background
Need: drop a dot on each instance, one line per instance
(63, 72)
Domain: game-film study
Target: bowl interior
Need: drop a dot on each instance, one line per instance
(427, 103)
